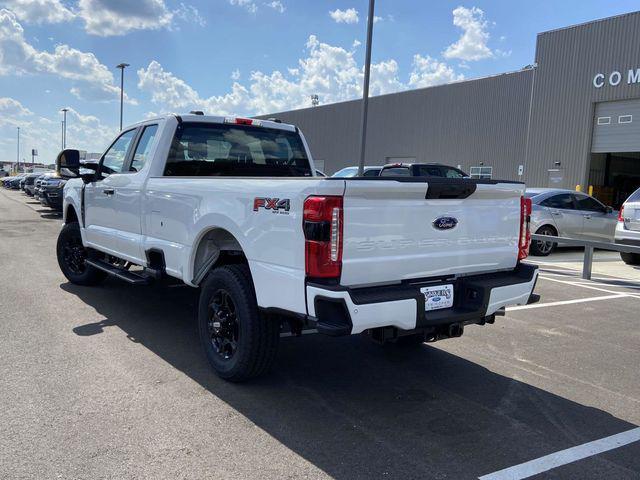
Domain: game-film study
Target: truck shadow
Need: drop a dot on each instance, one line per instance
(358, 410)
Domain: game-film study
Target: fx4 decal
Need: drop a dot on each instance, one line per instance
(276, 205)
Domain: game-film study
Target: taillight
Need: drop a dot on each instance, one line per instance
(322, 225)
(621, 214)
(524, 241)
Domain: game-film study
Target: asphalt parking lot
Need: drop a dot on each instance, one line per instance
(110, 382)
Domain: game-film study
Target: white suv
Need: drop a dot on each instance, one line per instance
(628, 228)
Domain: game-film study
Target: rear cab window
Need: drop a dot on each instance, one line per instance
(212, 149)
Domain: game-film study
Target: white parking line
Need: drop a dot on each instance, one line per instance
(566, 302)
(589, 287)
(564, 457)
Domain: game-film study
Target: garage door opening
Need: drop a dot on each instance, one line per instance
(614, 171)
(614, 176)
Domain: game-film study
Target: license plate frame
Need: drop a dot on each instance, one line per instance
(438, 297)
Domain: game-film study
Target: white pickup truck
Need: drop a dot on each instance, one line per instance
(233, 207)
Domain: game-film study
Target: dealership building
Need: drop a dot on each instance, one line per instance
(571, 118)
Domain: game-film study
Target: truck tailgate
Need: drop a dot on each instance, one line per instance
(389, 231)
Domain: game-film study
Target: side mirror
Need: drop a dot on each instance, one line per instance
(89, 170)
(608, 210)
(68, 163)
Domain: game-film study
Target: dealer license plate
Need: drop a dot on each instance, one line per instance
(437, 297)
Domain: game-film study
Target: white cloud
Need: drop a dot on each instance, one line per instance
(40, 11)
(248, 4)
(349, 15)
(235, 75)
(276, 5)
(84, 132)
(92, 80)
(472, 44)
(108, 18)
(11, 112)
(329, 71)
(428, 72)
(189, 14)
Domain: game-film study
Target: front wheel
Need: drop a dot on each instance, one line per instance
(540, 248)
(630, 258)
(238, 341)
(72, 256)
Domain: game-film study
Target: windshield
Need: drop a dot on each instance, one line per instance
(346, 172)
(203, 149)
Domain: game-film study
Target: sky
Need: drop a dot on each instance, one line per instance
(243, 57)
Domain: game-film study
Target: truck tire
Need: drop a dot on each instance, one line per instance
(543, 249)
(72, 255)
(630, 258)
(238, 341)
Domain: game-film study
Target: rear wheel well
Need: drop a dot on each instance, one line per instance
(555, 230)
(216, 247)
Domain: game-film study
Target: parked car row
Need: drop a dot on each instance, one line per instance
(45, 187)
(428, 169)
(565, 213)
(556, 212)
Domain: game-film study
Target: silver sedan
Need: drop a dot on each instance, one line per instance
(566, 213)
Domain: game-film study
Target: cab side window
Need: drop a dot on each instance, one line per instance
(143, 148)
(113, 159)
(563, 201)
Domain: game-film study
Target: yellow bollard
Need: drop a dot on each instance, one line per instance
(591, 190)
(578, 188)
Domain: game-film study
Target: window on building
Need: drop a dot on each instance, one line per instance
(481, 172)
(625, 119)
(604, 120)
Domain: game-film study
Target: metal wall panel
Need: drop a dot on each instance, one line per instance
(617, 127)
(565, 96)
(464, 123)
(487, 120)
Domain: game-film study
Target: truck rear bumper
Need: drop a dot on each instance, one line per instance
(343, 311)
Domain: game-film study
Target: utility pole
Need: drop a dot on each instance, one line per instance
(18, 152)
(64, 127)
(122, 66)
(365, 89)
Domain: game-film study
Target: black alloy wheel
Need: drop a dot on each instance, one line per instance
(223, 324)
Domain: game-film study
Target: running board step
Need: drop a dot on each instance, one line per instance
(122, 274)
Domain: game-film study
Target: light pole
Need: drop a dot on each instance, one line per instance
(365, 89)
(122, 66)
(18, 152)
(64, 127)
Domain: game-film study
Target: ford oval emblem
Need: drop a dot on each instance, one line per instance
(445, 223)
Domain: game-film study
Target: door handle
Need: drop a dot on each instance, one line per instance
(108, 191)
(588, 217)
(557, 214)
